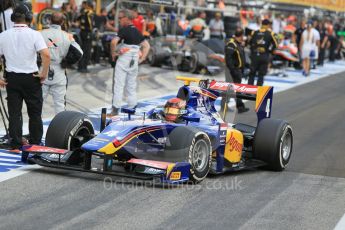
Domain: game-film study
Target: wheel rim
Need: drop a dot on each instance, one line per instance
(150, 57)
(193, 62)
(81, 136)
(286, 145)
(200, 153)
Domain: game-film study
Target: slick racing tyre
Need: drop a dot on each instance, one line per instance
(273, 143)
(198, 61)
(194, 63)
(153, 58)
(195, 145)
(69, 130)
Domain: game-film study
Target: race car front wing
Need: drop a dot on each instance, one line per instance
(77, 160)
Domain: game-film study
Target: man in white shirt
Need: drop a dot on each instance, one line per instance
(6, 10)
(217, 26)
(20, 45)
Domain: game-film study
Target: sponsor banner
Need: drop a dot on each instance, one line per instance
(335, 5)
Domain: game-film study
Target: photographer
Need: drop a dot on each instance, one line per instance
(20, 45)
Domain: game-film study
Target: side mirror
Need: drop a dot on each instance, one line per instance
(128, 111)
(191, 119)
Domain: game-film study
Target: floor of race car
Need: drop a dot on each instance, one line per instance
(308, 195)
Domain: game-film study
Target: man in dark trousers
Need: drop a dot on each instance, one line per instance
(262, 42)
(20, 45)
(235, 63)
(86, 23)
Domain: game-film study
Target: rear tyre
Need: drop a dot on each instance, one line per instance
(194, 63)
(195, 146)
(153, 59)
(273, 143)
(69, 130)
(198, 61)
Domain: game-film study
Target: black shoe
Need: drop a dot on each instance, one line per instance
(242, 109)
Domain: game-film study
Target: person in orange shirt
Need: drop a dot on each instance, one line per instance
(139, 21)
(153, 24)
(221, 4)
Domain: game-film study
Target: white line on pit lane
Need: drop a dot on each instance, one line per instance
(341, 224)
(17, 172)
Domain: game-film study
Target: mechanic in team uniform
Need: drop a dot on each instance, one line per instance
(198, 25)
(127, 53)
(86, 20)
(235, 62)
(58, 42)
(262, 43)
(20, 45)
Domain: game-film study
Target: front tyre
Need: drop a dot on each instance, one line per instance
(69, 130)
(200, 157)
(273, 143)
(194, 146)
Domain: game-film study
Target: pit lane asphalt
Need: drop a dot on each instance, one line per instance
(309, 194)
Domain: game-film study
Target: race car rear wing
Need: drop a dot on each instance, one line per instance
(262, 95)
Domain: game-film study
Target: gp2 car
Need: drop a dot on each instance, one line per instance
(147, 146)
(188, 55)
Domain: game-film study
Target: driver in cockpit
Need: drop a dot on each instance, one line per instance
(173, 110)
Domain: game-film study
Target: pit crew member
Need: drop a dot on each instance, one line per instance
(262, 43)
(127, 64)
(235, 63)
(58, 42)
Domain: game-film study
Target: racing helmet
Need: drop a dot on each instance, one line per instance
(174, 108)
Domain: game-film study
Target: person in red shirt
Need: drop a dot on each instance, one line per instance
(139, 21)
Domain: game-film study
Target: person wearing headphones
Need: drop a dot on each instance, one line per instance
(262, 42)
(58, 42)
(20, 45)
